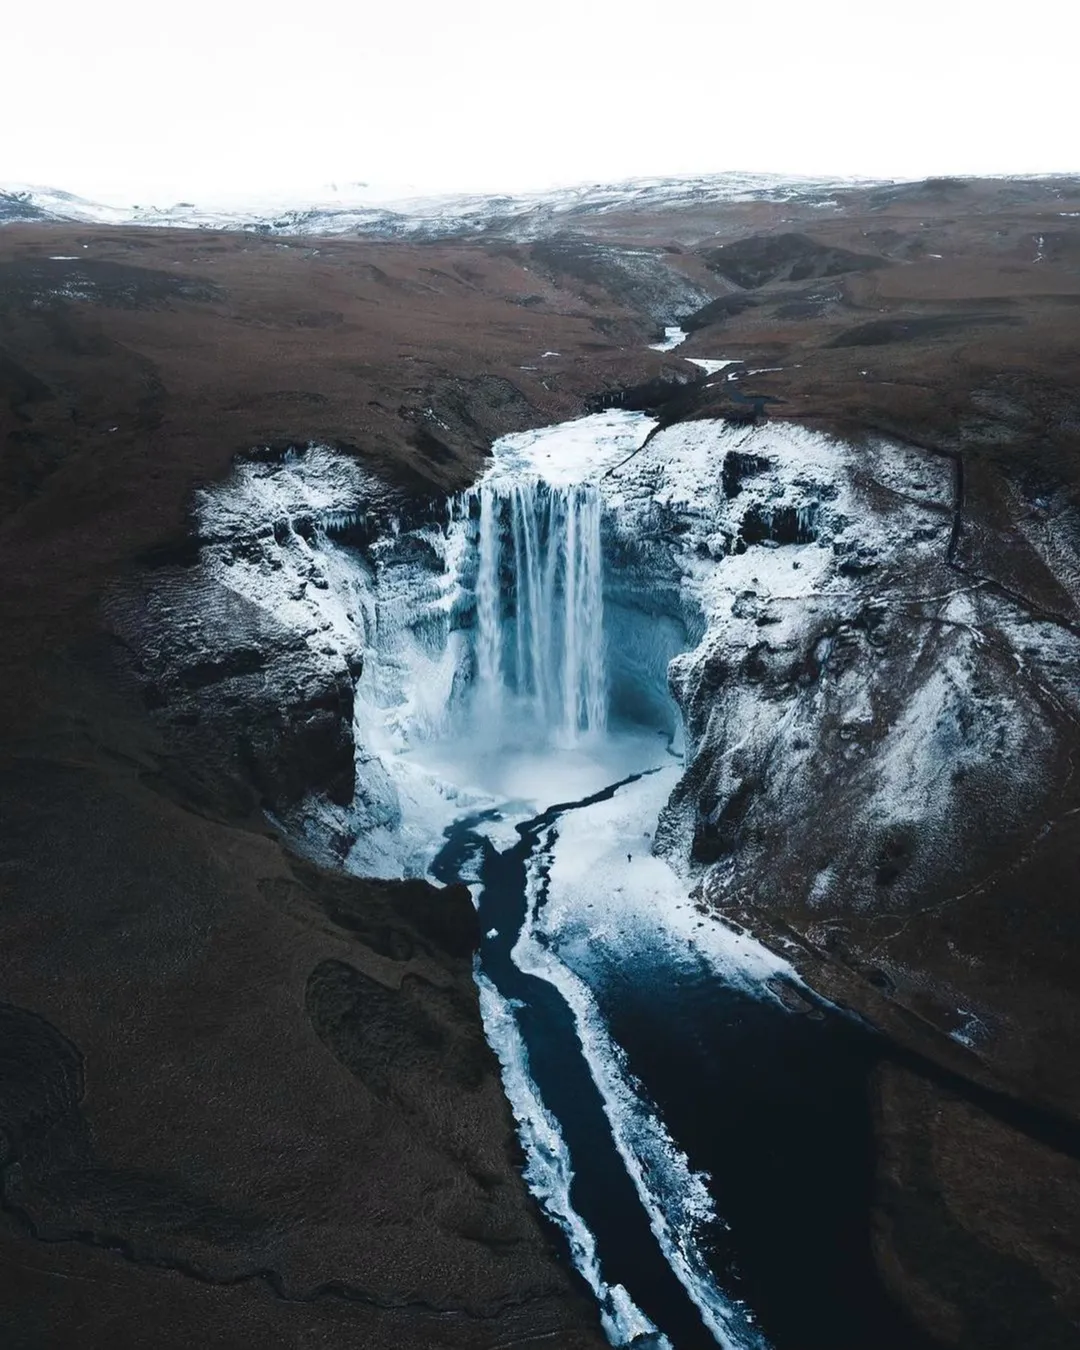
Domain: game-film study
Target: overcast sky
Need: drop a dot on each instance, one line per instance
(143, 101)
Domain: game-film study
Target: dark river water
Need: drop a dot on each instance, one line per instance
(772, 1104)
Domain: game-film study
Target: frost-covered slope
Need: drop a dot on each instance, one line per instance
(841, 659)
(878, 737)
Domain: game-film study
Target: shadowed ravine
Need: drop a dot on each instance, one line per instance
(699, 1127)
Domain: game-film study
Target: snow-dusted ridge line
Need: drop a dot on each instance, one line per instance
(395, 212)
(363, 209)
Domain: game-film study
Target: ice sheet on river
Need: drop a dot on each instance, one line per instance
(609, 899)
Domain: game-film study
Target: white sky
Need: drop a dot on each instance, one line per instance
(152, 102)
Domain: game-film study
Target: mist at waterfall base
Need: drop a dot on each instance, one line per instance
(542, 720)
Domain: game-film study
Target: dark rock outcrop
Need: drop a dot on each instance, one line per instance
(764, 258)
(716, 311)
(257, 1094)
(245, 699)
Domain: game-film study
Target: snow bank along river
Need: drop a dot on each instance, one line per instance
(694, 1125)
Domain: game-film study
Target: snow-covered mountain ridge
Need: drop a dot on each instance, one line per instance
(363, 210)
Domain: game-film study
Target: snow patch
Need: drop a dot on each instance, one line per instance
(710, 366)
(609, 897)
(673, 336)
(570, 452)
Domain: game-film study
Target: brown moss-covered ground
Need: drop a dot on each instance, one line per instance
(205, 1140)
(199, 1148)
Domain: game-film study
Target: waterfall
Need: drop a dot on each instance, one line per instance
(489, 675)
(539, 637)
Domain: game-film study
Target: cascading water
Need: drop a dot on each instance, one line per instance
(539, 587)
(489, 681)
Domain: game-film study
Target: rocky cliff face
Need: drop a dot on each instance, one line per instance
(881, 722)
(249, 649)
(865, 713)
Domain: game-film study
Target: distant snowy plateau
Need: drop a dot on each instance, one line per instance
(357, 209)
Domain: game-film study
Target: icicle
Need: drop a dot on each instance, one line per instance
(592, 606)
(521, 653)
(538, 639)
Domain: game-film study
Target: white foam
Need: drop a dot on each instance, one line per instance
(524, 779)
